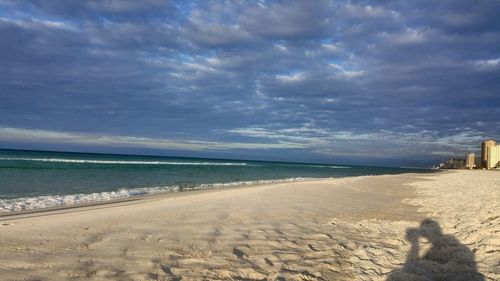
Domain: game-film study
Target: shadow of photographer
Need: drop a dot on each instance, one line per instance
(447, 259)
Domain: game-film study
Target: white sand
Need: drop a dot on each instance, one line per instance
(342, 229)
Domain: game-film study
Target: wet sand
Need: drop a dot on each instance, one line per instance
(336, 229)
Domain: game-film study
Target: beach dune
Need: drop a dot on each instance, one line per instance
(357, 228)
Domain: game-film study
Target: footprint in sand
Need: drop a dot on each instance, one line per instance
(239, 253)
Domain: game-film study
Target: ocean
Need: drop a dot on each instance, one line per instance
(39, 179)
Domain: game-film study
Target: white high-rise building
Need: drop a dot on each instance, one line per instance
(470, 159)
(484, 152)
(492, 156)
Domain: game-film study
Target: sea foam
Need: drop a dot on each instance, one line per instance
(85, 161)
(39, 202)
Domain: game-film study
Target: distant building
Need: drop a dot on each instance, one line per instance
(478, 162)
(470, 159)
(454, 163)
(484, 152)
(492, 157)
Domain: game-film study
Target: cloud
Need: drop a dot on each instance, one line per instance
(43, 136)
(123, 10)
(290, 20)
(239, 72)
(489, 64)
(295, 77)
(382, 143)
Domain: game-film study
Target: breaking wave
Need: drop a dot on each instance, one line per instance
(331, 167)
(39, 202)
(85, 161)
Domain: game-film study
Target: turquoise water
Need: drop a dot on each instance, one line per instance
(33, 179)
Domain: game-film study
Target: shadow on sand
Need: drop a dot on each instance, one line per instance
(446, 259)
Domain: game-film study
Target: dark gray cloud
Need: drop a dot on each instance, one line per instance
(113, 10)
(322, 80)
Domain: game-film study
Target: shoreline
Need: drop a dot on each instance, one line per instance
(160, 194)
(144, 197)
(174, 190)
(138, 199)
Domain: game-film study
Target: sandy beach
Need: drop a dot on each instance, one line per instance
(436, 226)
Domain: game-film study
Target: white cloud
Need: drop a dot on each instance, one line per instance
(330, 100)
(281, 47)
(368, 11)
(55, 137)
(330, 48)
(486, 64)
(34, 23)
(382, 143)
(341, 72)
(407, 37)
(295, 77)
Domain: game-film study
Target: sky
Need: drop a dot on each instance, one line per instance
(354, 82)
